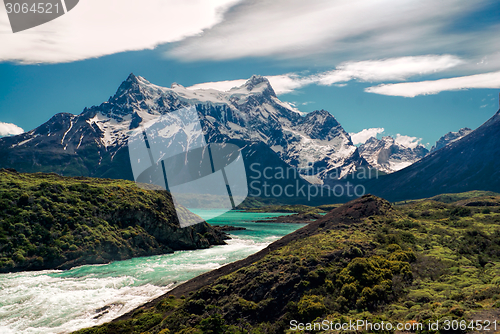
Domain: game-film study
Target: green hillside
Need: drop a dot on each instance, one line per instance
(414, 263)
(48, 221)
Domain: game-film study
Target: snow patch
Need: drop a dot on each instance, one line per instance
(69, 129)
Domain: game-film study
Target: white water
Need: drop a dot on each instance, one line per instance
(55, 301)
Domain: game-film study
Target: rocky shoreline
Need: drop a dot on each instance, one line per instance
(298, 218)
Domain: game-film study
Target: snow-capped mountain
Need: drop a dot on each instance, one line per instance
(450, 137)
(388, 156)
(94, 143)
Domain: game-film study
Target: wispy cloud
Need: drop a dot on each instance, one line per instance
(394, 69)
(96, 28)
(412, 89)
(365, 134)
(9, 129)
(337, 31)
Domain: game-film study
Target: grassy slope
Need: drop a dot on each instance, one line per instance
(426, 260)
(49, 221)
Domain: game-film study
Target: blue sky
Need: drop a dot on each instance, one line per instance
(414, 68)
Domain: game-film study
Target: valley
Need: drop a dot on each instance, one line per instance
(427, 260)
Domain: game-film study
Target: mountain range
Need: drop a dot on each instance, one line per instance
(270, 132)
(94, 143)
(388, 155)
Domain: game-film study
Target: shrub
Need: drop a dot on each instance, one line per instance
(460, 212)
(214, 324)
(311, 306)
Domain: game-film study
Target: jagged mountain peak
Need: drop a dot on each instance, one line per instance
(387, 138)
(131, 86)
(132, 82)
(451, 137)
(176, 85)
(137, 79)
(321, 116)
(388, 155)
(132, 78)
(371, 140)
(137, 92)
(321, 124)
(321, 112)
(256, 80)
(256, 84)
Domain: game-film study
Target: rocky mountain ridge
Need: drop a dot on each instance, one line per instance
(388, 156)
(94, 143)
(450, 137)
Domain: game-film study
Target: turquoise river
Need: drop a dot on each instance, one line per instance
(56, 301)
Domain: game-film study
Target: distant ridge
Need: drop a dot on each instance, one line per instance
(470, 163)
(450, 137)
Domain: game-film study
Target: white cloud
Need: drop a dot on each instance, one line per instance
(394, 69)
(9, 129)
(369, 70)
(407, 141)
(96, 28)
(287, 83)
(365, 134)
(336, 31)
(412, 89)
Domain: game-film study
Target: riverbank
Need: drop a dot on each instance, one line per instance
(52, 222)
(62, 301)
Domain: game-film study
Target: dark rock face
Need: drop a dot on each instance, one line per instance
(320, 124)
(228, 228)
(194, 237)
(470, 163)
